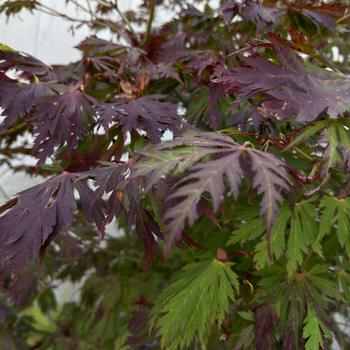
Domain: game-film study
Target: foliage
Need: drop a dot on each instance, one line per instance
(217, 144)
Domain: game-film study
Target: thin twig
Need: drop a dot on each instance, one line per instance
(53, 12)
(78, 5)
(125, 20)
(150, 21)
(89, 7)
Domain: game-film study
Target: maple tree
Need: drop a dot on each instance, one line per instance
(218, 143)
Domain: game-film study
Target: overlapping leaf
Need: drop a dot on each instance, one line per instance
(36, 216)
(297, 89)
(263, 17)
(26, 65)
(335, 215)
(227, 157)
(61, 120)
(313, 331)
(303, 232)
(110, 180)
(17, 100)
(200, 296)
(265, 320)
(148, 113)
(32, 219)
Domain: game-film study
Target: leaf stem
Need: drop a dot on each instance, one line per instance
(303, 154)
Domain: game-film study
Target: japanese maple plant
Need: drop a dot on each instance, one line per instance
(219, 145)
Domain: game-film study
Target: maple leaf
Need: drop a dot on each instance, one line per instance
(91, 205)
(36, 217)
(289, 339)
(94, 45)
(165, 70)
(227, 11)
(14, 7)
(108, 180)
(60, 120)
(213, 111)
(148, 113)
(32, 219)
(297, 88)
(227, 157)
(26, 65)
(265, 320)
(201, 295)
(18, 100)
(260, 15)
(335, 211)
(146, 227)
(317, 18)
(174, 49)
(313, 331)
(303, 230)
(103, 65)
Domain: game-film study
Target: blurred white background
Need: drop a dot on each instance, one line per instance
(46, 37)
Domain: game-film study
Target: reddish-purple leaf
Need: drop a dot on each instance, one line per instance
(93, 45)
(269, 179)
(317, 18)
(108, 179)
(214, 113)
(39, 213)
(61, 120)
(18, 100)
(262, 16)
(227, 11)
(265, 320)
(148, 113)
(289, 339)
(146, 227)
(30, 222)
(300, 90)
(92, 206)
(165, 70)
(173, 49)
(26, 65)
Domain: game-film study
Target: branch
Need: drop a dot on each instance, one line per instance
(90, 8)
(150, 21)
(125, 20)
(50, 11)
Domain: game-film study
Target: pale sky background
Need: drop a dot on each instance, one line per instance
(47, 37)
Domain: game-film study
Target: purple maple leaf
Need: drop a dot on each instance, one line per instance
(18, 100)
(37, 215)
(260, 15)
(148, 113)
(60, 120)
(32, 219)
(295, 88)
(26, 65)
